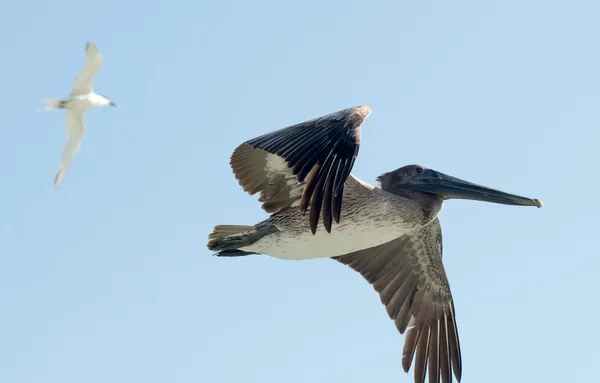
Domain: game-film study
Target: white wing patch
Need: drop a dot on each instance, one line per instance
(275, 164)
(363, 183)
(277, 170)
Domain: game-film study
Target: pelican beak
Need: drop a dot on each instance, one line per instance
(448, 187)
(112, 104)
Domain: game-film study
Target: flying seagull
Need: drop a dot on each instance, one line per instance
(82, 97)
(391, 235)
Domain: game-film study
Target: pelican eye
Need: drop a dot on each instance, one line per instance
(419, 170)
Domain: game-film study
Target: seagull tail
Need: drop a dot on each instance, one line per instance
(51, 105)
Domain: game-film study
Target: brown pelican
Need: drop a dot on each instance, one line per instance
(391, 235)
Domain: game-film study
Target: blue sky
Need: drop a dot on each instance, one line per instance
(109, 279)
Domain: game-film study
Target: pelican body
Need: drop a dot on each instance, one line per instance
(390, 234)
(370, 217)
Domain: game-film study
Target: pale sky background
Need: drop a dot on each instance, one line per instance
(108, 279)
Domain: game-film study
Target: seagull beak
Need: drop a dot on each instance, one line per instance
(448, 187)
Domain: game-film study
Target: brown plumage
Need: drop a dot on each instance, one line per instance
(320, 172)
(390, 235)
(409, 276)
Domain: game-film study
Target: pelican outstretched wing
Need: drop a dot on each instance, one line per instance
(303, 165)
(409, 276)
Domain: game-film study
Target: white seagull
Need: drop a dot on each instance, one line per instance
(82, 97)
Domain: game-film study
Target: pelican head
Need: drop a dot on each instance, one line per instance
(420, 179)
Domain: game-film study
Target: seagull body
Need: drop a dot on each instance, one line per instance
(390, 234)
(81, 98)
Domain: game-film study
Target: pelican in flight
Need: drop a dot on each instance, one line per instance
(81, 98)
(391, 235)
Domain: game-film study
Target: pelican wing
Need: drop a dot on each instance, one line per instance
(93, 62)
(303, 165)
(75, 128)
(409, 276)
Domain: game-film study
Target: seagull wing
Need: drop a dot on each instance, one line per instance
(409, 275)
(75, 128)
(93, 62)
(302, 165)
